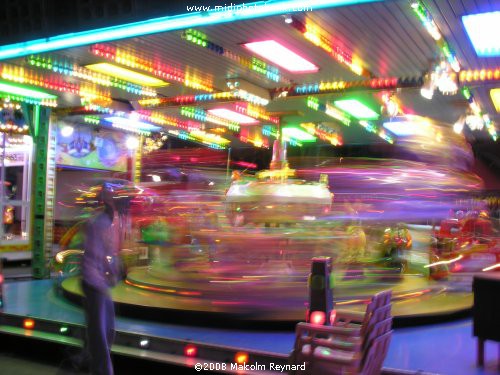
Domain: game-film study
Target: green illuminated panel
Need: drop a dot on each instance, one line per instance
(14, 89)
(298, 134)
(357, 109)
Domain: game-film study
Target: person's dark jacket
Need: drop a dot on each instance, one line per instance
(99, 266)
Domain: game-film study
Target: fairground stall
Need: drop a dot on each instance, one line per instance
(365, 115)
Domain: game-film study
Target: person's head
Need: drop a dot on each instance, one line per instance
(115, 197)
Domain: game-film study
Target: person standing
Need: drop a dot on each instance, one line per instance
(100, 272)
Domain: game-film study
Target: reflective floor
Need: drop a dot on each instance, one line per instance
(447, 348)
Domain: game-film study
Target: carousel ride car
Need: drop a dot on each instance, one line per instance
(247, 254)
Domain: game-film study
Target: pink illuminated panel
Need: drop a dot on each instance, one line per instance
(232, 116)
(282, 56)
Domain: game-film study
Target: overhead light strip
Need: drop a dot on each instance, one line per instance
(314, 34)
(199, 17)
(297, 133)
(370, 127)
(425, 17)
(479, 75)
(200, 114)
(357, 109)
(282, 56)
(233, 116)
(87, 91)
(256, 65)
(127, 74)
(151, 65)
(484, 32)
(25, 91)
(69, 68)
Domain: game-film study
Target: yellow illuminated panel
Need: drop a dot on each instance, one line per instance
(127, 74)
(495, 96)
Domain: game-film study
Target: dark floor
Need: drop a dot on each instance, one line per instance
(21, 356)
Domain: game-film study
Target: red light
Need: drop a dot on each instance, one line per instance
(1, 279)
(457, 267)
(28, 323)
(318, 317)
(190, 351)
(241, 358)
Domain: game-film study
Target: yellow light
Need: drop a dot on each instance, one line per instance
(444, 262)
(28, 323)
(309, 126)
(127, 74)
(356, 68)
(241, 358)
(495, 97)
(491, 267)
(276, 174)
(257, 143)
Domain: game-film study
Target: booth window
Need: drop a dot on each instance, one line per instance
(15, 192)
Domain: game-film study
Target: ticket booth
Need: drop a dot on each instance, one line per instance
(16, 148)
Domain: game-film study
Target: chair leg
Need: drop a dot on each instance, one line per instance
(480, 352)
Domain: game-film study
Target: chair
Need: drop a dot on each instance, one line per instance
(326, 350)
(348, 340)
(375, 357)
(346, 318)
(341, 338)
(360, 323)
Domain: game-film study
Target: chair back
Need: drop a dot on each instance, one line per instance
(376, 316)
(380, 314)
(317, 335)
(375, 355)
(378, 300)
(382, 298)
(379, 329)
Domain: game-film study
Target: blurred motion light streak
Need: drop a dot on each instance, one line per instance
(131, 125)
(491, 267)
(444, 262)
(406, 128)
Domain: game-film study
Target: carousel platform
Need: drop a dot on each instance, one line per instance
(271, 303)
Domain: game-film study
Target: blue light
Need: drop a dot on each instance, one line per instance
(484, 32)
(130, 124)
(403, 128)
(220, 14)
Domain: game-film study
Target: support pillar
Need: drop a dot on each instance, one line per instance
(42, 199)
